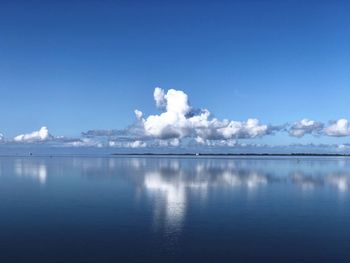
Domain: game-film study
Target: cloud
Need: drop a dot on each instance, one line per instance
(338, 128)
(343, 147)
(35, 136)
(180, 121)
(159, 97)
(101, 133)
(178, 124)
(43, 135)
(305, 126)
(138, 114)
(83, 142)
(217, 143)
(1, 137)
(132, 144)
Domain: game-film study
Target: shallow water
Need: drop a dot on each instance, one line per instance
(125, 209)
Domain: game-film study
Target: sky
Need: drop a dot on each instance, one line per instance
(79, 66)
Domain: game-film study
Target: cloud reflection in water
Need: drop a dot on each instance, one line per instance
(29, 168)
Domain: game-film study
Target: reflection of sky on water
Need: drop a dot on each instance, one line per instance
(157, 206)
(336, 180)
(173, 176)
(170, 181)
(339, 181)
(174, 179)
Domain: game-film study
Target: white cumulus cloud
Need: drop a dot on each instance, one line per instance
(179, 120)
(305, 126)
(35, 136)
(159, 97)
(138, 114)
(338, 128)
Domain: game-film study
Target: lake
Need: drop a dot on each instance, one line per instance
(174, 209)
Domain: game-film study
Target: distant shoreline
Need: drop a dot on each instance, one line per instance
(232, 154)
(181, 155)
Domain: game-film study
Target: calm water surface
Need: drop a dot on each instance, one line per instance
(125, 209)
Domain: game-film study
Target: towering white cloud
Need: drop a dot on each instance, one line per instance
(138, 114)
(305, 126)
(338, 128)
(159, 97)
(35, 136)
(179, 120)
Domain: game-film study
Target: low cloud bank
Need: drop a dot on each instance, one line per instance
(338, 128)
(35, 136)
(180, 124)
(305, 126)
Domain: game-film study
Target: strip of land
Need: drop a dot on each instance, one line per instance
(233, 154)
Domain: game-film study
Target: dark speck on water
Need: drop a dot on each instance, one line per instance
(174, 209)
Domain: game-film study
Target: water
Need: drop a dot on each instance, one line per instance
(125, 209)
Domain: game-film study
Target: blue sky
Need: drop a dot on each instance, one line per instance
(75, 66)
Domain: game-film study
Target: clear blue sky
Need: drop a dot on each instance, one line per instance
(80, 65)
